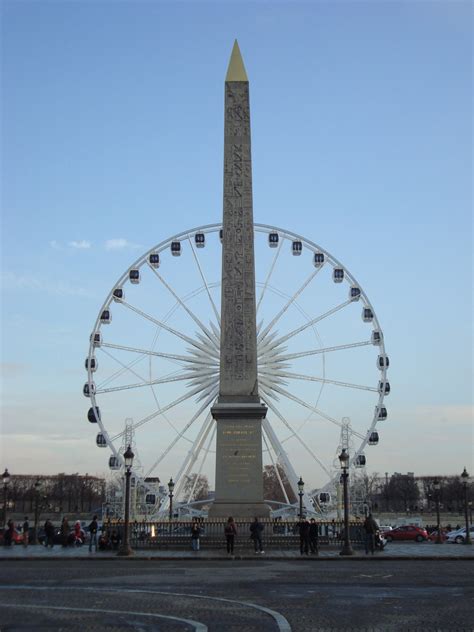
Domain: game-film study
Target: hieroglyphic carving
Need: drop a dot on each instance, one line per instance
(238, 370)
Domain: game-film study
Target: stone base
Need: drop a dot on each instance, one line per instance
(247, 511)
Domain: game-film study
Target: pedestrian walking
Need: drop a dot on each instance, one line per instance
(49, 533)
(230, 531)
(64, 532)
(370, 527)
(313, 537)
(195, 535)
(256, 530)
(93, 527)
(26, 532)
(303, 529)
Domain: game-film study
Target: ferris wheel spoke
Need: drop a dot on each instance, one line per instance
(273, 322)
(302, 354)
(185, 429)
(162, 410)
(206, 453)
(193, 454)
(162, 380)
(146, 352)
(310, 323)
(125, 367)
(312, 378)
(163, 325)
(269, 275)
(183, 305)
(297, 437)
(206, 285)
(319, 412)
(275, 467)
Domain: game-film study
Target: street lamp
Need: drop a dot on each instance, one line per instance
(437, 487)
(6, 481)
(464, 481)
(125, 548)
(344, 460)
(37, 511)
(300, 494)
(171, 487)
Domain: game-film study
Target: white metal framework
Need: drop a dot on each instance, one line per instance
(154, 356)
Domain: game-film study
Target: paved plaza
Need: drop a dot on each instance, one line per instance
(261, 595)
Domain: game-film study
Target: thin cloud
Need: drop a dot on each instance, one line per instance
(55, 245)
(12, 281)
(120, 244)
(80, 245)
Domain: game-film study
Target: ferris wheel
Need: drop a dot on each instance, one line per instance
(154, 357)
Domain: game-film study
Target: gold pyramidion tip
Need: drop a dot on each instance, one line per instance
(236, 69)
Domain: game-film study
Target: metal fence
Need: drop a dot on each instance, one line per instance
(276, 534)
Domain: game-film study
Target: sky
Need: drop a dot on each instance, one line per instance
(112, 142)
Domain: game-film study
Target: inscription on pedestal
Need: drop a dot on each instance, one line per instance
(239, 444)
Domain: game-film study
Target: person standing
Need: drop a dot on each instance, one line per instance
(78, 536)
(256, 529)
(26, 532)
(230, 531)
(370, 527)
(8, 534)
(303, 529)
(314, 537)
(195, 535)
(49, 533)
(64, 532)
(93, 527)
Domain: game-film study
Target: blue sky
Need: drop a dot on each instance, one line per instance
(112, 141)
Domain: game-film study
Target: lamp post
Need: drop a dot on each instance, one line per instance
(437, 487)
(37, 511)
(301, 494)
(125, 548)
(464, 480)
(6, 481)
(170, 488)
(344, 460)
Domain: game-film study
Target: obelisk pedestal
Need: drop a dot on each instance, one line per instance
(238, 411)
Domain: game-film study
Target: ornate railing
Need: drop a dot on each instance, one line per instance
(276, 534)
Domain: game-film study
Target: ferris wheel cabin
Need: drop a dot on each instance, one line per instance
(106, 317)
(176, 248)
(383, 362)
(381, 412)
(376, 337)
(114, 463)
(338, 275)
(154, 260)
(354, 293)
(96, 339)
(296, 248)
(374, 438)
(118, 294)
(360, 461)
(318, 259)
(93, 414)
(93, 364)
(324, 497)
(101, 441)
(273, 240)
(88, 389)
(367, 315)
(134, 276)
(384, 387)
(200, 240)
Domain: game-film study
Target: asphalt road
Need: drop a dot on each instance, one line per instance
(260, 595)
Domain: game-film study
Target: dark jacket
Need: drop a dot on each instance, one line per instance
(303, 528)
(195, 531)
(256, 529)
(93, 526)
(370, 526)
(313, 531)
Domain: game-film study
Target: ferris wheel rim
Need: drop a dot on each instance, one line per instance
(258, 227)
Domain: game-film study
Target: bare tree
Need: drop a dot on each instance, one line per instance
(197, 485)
(271, 485)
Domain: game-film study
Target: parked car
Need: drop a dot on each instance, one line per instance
(406, 532)
(385, 528)
(458, 537)
(433, 536)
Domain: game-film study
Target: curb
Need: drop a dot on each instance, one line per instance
(241, 558)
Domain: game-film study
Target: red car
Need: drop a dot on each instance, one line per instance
(16, 539)
(407, 532)
(433, 536)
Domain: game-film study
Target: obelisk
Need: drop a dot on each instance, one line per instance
(238, 411)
